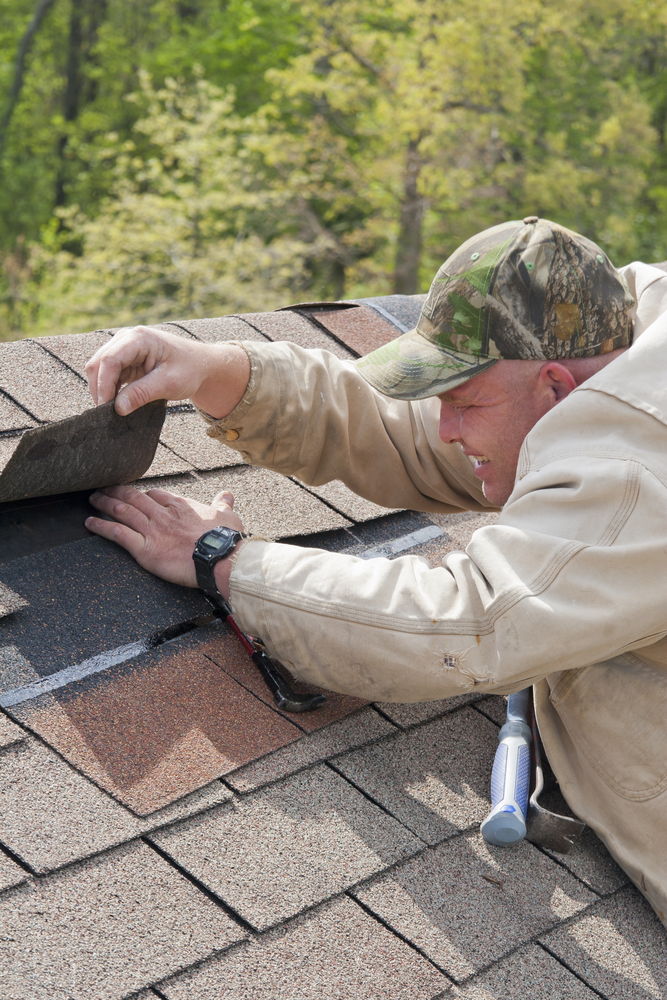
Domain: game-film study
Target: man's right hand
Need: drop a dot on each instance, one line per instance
(151, 364)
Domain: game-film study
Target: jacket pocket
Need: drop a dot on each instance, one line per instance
(616, 714)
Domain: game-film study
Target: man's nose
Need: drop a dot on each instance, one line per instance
(450, 424)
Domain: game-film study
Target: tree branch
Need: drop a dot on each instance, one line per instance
(40, 12)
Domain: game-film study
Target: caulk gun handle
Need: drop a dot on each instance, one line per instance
(510, 778)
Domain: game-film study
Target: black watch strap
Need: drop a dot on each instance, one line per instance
(213, 546)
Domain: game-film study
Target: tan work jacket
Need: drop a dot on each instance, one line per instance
(568, 591)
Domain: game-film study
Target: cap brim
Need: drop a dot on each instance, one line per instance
(412, 367)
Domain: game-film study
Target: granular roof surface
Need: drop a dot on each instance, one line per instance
(167, 832)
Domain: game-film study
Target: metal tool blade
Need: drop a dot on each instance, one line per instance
(545, 828)
(94, 449)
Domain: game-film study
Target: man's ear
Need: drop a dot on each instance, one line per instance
(557, 380)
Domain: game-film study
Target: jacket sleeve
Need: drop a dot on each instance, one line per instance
(308, 414)
(567, 577)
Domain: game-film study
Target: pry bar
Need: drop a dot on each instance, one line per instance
(283, 695)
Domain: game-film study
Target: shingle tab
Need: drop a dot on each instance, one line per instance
(540, 977)
(289, 846)
(269, 504)
(466, 904)
(10, 873)
(185, 434)
(409, 715)
(52, 815)
(220, 330)
(290, 326)
(494, 706)
(157, 727)
(12, 417)
(337, 952)
(336, 706)
(76, 349)
(105, 929)
(361, 328)
(364, 727)
(165, 463)
(47, 389)
(435, 779)
(619, 948)
(349, 503)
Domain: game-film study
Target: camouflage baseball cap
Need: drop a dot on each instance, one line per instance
(521, 290)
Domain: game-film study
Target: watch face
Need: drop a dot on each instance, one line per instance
(213, 541)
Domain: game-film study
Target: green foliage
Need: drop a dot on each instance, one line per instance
(221, 155)
(207, 212)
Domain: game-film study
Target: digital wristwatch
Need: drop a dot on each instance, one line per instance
(213, 546)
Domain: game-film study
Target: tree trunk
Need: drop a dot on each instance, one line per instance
(408, 252)
(85, 19)
(41, 10)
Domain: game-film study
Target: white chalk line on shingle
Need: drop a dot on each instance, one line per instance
(112, 657)
(95, 665)
(404, 542)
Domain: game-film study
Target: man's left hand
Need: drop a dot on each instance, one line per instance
(160, 529)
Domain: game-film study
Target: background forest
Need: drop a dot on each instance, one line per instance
(165, 158)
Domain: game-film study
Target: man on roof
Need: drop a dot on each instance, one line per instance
(536, 382)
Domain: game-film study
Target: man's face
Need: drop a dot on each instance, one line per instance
(490, 416)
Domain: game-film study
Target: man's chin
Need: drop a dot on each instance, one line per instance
(497, 493)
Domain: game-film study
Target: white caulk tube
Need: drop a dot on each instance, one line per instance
(510, 780)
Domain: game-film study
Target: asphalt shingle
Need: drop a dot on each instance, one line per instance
(337, 952)
(76, 350)
(165, 463)
(8, 445)
(348, 503)
(404, 308)
(356, 730)
(290, 326)
(336, 706)
(10, 873)
(620, 948)
(588, 859)
(361, 328)
(409, 715)
(10, 601)
(88, 597)
(157, 727)
(10, 733)
(218, 330)
(106, 928)
(465, 904)
(435, 779)
(52, 815)
(289, 846)
(269, 504)
(494, 707)
(12, 417)
(185, 434)
(40, 383)
(529, 972)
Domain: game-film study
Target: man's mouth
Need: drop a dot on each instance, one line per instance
(480, 460)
